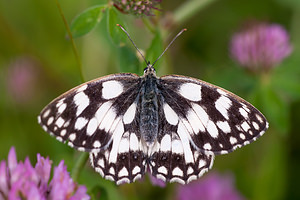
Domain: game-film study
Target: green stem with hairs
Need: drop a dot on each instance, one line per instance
(189, 9)
(72, 41)
(79, 165)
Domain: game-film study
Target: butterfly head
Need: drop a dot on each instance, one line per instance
(149, 70)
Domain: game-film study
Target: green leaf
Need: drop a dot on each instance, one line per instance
(116, 34)
(128, 60)
(273, 107)
(155, 49)
(87, 20)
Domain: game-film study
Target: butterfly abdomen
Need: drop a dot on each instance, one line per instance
(149, 109)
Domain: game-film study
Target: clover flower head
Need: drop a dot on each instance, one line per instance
(137, 7)
(20, 180)
(213, 186)
(261, 46)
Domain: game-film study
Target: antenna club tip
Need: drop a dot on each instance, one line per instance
(118, 24)
(184, 29)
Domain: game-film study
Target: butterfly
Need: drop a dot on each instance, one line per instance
(172, 126)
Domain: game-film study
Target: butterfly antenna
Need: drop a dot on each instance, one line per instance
(123, 29)
(169, 45)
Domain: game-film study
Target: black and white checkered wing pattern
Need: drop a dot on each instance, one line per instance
(210, 118)
(173, 158)
(89, 116)
(124, 161)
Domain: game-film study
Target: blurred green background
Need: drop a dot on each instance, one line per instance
(37, 64)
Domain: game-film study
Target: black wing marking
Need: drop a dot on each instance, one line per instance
(217, 120)
(76, 116)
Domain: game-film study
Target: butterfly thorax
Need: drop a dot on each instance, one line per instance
(149, 106)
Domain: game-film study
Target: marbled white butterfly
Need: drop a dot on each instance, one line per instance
(172, 125)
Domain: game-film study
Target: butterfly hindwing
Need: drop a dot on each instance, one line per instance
(125, 158)
(87, 115)
(217, 121)
(173, 158)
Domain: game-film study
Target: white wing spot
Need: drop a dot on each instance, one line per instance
(116, 138)
(242, 136)
(67, 123)
(245, 107)
(101, 162)
(72, 137)
(191, 91)
(50, 120)
(61, 108)
(195, 122)
(92, 126)
(202, 163)
(63, 132)
(59, 122)
(123, 172)
(178, 180)
(60, 102)
(161, 177)
(162, 170)
(80, 123)
(212, 129)
(222, 105)
(232, 140)
(184, 137)
(102, 110)
(243, 113)
(207, 146)
(224, 126)
(166, 143)
(170, 114)
(191, 178)
(221, 92)
(202, 115)
(112, 171)
(259, 118)
(111, 89)
(108, 120)
(82, 101)
(82, 88)
(134, 142)
(177, 172)
(46, 113)
(136, 170)
(129, 114)
(97, 144)
(190, 170)
(177, 147)
(245, 126)
(255, 125)
(124, 145)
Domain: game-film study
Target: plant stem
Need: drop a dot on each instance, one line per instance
(72, 41)
(189, 9)
(148, 25)
(79, 164)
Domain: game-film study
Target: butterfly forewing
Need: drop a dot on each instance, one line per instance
(87, 116)
(216, 120)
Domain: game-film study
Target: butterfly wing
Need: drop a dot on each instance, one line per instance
(216, 120)
(173, 158)
(87, 117)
